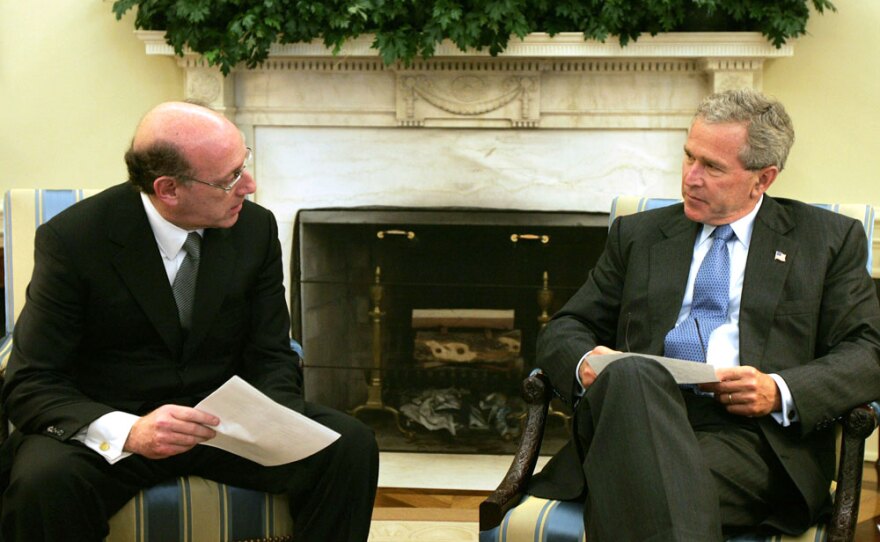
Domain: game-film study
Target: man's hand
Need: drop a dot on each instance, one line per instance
(586, 374)
(170, 430)
(745, 391)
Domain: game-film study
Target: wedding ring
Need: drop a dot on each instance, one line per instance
(730, 398)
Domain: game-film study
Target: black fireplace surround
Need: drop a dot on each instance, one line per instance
(358, 273)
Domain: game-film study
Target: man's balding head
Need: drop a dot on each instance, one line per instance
(175, 139)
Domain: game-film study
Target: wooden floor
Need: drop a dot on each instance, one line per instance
(868, 529)
(462, 506)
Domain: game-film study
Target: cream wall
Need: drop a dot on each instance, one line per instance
(73, 83)
(831, 87)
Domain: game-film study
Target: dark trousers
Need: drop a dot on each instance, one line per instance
(65, 491)
(661, 463)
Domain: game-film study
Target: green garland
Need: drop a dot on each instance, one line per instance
(228, 32)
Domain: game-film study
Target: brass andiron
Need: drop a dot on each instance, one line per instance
(545, 299)
(374, 388)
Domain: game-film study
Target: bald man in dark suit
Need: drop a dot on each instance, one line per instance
(106, 367)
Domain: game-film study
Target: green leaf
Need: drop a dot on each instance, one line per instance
(121, 7)
(230, 32)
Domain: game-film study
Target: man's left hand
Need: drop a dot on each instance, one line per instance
(745, 391)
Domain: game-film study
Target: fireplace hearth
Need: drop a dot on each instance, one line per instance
(422, 322)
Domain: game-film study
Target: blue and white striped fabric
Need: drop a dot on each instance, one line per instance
(627, 205)
(542, 520)
(193, 509)
(24, 211)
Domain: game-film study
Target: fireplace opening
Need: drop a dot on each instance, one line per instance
(422, 322)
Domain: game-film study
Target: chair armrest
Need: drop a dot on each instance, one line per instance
(858, 424)
(537, 393)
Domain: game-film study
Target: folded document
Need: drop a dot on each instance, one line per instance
(257, 428)
(684, 371)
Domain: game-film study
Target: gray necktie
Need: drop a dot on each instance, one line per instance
(184, 287)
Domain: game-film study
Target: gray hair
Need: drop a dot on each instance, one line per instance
(770, 131)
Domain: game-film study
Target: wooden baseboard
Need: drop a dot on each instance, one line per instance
(425, 514)
(406, 504)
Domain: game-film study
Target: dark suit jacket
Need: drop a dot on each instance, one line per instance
(813, 319)
(99, 331)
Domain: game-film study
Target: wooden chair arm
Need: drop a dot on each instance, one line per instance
(537, 393)
(857, 424)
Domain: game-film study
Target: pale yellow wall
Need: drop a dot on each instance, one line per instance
(831, 87)
(73, 83)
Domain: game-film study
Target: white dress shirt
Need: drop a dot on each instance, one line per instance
(107, 434)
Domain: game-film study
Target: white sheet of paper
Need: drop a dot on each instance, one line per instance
(684, 371)
(257, 428)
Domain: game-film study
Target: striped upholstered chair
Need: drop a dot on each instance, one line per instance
(509, 515)
(189, 509)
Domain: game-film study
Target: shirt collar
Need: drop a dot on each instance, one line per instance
(169, 237)
(742, 227)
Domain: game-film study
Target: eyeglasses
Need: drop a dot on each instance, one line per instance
(236, 175)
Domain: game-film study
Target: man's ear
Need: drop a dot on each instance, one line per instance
(765, 178)
(165, 188)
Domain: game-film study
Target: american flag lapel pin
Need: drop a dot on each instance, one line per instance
(780, 256)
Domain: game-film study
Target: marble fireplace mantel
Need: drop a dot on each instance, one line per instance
(473, 89)
(552, 123)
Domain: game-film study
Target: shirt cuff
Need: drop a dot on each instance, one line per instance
(580, 390)
(789, 414)
(107, 435)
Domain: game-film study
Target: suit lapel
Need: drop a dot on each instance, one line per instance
(771, 255)
(669, 269)
(139, 264)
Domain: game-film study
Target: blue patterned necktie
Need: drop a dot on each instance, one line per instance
(184, 286)
(709, 306)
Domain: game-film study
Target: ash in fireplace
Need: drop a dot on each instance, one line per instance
(452, 409)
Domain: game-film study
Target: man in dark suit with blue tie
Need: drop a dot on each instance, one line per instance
(788, 316)
(110, 355)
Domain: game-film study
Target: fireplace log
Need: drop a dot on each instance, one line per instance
(436, 348)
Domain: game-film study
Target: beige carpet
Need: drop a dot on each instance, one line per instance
(423, 531)
(412, 515)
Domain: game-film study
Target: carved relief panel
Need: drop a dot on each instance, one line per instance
(471, 97)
